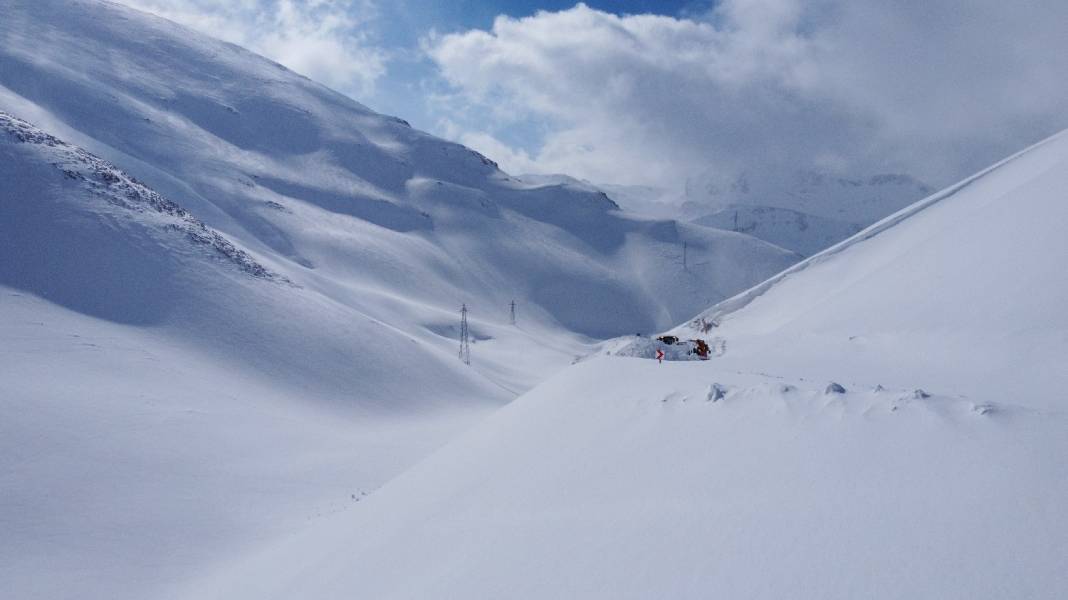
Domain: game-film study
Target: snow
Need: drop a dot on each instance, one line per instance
(343, 200)
(790, 229)
(966, 286)
(939, 470)
(168, 401)
(228, 297)
(804, 213)
(619, 478)
(132, 463)
(860, 200)
(228, 314)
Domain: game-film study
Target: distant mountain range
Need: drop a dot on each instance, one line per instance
(803, 212)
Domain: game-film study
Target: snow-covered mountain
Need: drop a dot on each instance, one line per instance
(229, 297)
(168, 399)
(228, 321)
(794, 230)
(647, 201)
(83, 234)
(886, 420)
(339, 198)
(859, 200)
(805, 212)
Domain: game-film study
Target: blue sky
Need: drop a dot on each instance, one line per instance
(686, 95)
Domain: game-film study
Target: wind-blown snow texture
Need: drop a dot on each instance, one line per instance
(886, 421)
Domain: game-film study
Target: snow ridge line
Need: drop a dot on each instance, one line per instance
(121, 189)
(743, 299)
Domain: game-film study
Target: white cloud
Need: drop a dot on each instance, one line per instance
(934, 88)
(327, 40)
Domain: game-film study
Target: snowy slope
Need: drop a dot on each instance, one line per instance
(169, 401)
(83, 234)
(352, 203)
(133, 463)
(229, 297)
(939, 469)
(970, 279)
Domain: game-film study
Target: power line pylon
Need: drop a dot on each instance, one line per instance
(513, 312)
(465, 337)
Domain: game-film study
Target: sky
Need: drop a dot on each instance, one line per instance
(675, 92)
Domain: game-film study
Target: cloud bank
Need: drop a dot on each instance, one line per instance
(934, 89)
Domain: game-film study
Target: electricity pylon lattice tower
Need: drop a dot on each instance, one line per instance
(465, 337)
